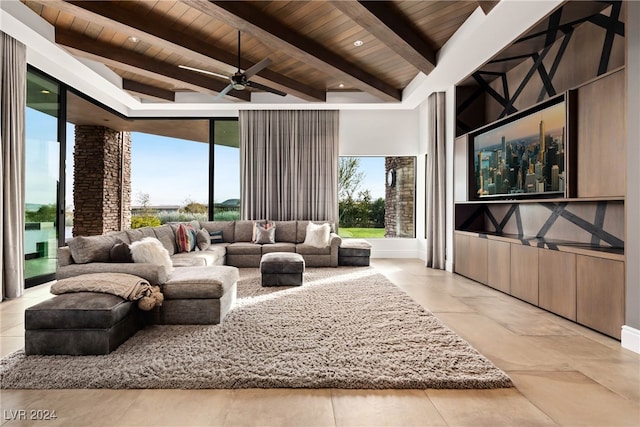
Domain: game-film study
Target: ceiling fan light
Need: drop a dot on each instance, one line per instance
(238, 86)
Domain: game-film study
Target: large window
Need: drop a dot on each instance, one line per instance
(226, 169)
(376, 197)
(169, 179)
(42, 177)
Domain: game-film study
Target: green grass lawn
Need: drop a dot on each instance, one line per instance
(361, 232)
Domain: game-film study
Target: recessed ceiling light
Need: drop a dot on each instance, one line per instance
(358, 43)
(133, 39)
(341, 85)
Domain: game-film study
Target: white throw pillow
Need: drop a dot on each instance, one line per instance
(150, 250)
(318, 235)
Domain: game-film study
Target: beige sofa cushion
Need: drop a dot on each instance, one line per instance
(286, 231)
(167, 237)
(244, 248)
(199, 282)
(244, 231)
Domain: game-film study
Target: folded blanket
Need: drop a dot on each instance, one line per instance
(127, 286)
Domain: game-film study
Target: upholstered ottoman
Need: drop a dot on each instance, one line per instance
(198, 295)
(282, 269)
(354, 252)
(81, 323)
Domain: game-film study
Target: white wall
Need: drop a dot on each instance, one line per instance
(379, 133)
(388, 133)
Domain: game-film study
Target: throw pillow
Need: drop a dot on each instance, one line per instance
(216, 237)
(202, 239)
(318, 235)
(264, 226)
(85, 249)
(150, 250)
(265, 235)
(185, 238)
(120, 252)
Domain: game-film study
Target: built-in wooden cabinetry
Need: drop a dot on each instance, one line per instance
(581, 284)
(564, 255)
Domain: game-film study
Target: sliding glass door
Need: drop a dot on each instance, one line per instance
(42, 177)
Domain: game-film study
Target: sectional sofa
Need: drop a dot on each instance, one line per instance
(91, 254)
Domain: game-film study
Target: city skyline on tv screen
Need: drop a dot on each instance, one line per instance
(525, 156)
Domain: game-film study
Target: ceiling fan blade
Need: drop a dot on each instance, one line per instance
(256, 68)
(199, 70)
(265, 88)
(225, 91)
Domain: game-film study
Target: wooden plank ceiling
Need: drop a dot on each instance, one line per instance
(310, 43)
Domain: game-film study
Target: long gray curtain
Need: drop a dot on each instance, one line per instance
(436, 210)
(289, 165)
(13, 96)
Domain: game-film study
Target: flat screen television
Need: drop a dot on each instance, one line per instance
(521, 156)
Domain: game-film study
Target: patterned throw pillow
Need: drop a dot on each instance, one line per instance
(265, 235)
(186, 238)
(264, 232)
(216, 237)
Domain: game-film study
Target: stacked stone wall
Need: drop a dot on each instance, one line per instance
(400, 197)
(102, 180)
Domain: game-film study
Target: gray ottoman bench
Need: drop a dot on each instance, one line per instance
(198, 295)
(82, 323)
(282, 269)
(354, 252)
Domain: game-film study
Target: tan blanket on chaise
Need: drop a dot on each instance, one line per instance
(127, 286)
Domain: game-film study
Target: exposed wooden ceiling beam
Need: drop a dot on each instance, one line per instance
(247, 18)
(487, 5)
(386, 23)
(155, 29)
(148, 91)
(135, 62)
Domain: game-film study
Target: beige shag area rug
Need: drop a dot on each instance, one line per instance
(344, 328)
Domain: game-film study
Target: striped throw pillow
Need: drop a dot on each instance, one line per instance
(186, 238)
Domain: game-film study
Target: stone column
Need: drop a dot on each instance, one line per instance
(102, 180)
(399, 201)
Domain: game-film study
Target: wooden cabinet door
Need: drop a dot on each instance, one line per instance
(524, 273)
(499, 265)
(478, 259)
(471, 257)
(557, 282)
(600, 294)
(461, 255)
(602, 138)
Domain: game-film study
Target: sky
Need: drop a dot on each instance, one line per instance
(173, 171)
(553, 117)
(374, 179)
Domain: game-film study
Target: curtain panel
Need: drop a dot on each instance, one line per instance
(436, 209)
(13, 95)
(289, 165)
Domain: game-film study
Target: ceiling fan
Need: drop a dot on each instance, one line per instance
(240, 80)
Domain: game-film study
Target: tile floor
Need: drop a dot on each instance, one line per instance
(564, 375)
